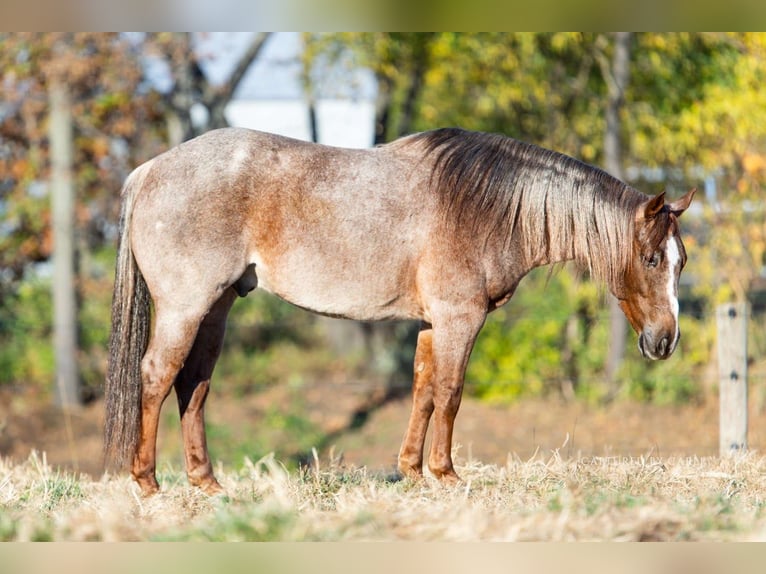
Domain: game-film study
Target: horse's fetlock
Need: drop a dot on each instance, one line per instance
(410, 470)
(146, 481)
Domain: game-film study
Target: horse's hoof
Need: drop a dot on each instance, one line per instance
(447, 477)
(211, 487)
(451, 480)
(148, 486)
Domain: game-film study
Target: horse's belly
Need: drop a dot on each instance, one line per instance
(340, 291)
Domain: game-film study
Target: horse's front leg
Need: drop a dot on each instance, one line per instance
(411, 452)
(441, 359)
(453, 338)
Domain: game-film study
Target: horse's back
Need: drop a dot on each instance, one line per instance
(330, 229)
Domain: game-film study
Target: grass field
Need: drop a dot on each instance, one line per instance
(542, 499)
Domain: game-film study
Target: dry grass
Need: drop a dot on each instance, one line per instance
(549, 499)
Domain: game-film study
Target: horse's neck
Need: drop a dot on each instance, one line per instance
(506, 265)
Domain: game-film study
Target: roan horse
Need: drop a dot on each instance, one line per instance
(439, 226)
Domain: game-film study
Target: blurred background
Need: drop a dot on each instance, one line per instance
(556, 367)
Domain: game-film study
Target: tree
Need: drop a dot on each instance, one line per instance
(108, 119)
(400, 62)
(694, 109)
(119, 120)
(64, 295)
(102, 75)
(616, 73)
(191, 87)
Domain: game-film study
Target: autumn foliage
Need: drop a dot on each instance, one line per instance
(694, 114)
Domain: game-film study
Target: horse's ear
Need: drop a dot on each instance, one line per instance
(682, 203)
(653, 206)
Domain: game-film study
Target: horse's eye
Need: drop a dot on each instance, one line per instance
(654, 260)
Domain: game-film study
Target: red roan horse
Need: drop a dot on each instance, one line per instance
(439, 226)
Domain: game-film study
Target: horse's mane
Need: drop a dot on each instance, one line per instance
(493, 184)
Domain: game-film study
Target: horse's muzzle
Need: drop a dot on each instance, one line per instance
(658, 348)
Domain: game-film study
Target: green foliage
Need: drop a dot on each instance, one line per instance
(94, 316)
(519, 350)
(26, 327)
(279, 427)
(57, 490)
(26, 351)
(269, 341)
(8, 526)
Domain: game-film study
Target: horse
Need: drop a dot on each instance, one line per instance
(438, 226)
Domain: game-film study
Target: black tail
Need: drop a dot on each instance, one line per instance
(128, 340)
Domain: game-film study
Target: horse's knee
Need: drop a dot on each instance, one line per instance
(447, 399)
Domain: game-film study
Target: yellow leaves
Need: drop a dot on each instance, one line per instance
(561, 41)
(713, 113)
(588, 152)
(440, 49)
(659, 41)
(754, 163)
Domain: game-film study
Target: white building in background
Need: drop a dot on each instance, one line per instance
(271, 96)
(343, 123)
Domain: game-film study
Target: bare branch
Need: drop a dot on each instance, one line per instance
(220, 96)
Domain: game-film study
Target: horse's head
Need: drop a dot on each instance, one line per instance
(649, 296)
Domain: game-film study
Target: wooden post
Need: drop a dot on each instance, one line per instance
(616, 74)
(731, 320)
(64, 300)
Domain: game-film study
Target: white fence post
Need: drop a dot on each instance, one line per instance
(731, 320)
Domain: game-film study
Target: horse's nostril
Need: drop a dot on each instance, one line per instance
(663, 346)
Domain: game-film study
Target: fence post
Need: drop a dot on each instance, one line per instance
(63, 215)
(731, 320)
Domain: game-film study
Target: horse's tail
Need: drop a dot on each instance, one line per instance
(128, 339)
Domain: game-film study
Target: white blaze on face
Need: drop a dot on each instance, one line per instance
(673, 256)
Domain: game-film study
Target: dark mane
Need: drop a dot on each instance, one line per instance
(491, 183)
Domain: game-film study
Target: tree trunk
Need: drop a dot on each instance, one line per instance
(64, 299)
(192, 87)
(383, 104)
(215, 99)
(616, 75)
(421, 59)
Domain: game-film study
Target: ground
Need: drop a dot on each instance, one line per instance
(486, 433)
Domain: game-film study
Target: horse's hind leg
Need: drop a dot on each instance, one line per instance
(171, 340)
(192, 386)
